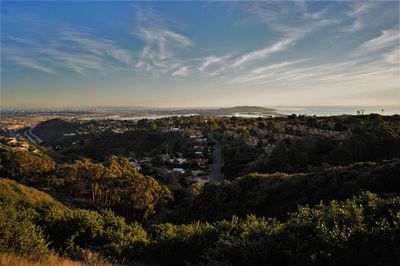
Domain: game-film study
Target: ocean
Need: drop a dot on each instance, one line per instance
(337, 110)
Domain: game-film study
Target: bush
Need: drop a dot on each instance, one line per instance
(18, 234)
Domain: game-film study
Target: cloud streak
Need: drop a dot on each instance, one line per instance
(361, 71)
(264, 72)
(212, 60)
(387, 39)
(275, 16)
(98, 46)
(181, 72)
(160, 44)
(32, 64)
(69, 48)
(281, 45)
(357, 13)
(18, 57)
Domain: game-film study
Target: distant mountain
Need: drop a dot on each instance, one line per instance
(242, 110)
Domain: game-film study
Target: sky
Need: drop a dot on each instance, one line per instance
(199, 54)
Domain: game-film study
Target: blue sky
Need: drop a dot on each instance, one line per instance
(68, 54)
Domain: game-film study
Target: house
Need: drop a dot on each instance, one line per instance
(179, 170)
(200, 180)
(198, 172)
(201, 140)
(166, 157)
(145, 160)
(197, 147)
(201, 162)
(135, 164)
(12, 141)
(181, 160)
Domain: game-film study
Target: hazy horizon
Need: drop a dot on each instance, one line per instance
(199, 54)
(196, 107)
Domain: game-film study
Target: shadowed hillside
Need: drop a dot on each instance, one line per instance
(273, 195)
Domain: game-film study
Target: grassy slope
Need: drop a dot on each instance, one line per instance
(7, 259)
(10, 189)
(13, 189)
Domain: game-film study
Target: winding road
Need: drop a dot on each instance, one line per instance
(31, 136)
(218, 161)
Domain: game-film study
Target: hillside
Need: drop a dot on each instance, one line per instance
(12, 189)
(235, 110)
(343, 232)
(54, 128)
(315, 211)
(273, 195)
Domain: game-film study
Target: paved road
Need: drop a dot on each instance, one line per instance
(39, 140)
(28, 136)
(31, 136)
(218, 161)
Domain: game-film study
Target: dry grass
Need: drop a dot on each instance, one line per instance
(7, 259)
(14, 189)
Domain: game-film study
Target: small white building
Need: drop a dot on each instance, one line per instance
(179, 170)
(198, 172)
(181, 160)
(135, 164)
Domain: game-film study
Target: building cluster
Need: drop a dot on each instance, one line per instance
(193, 163)
(19, 120)
(267, 137)
(18, 144)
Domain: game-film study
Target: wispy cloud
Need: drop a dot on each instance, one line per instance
(160, 43)
(181, 72)
(281, 45)
(212, 60)
(97, 46)
(387, 39)
(20, 58)
(275, 16)
(357, 13)
(393, 57)
(80, 63)
(32, 64)
(75, 49)
(263, 72)
(357, 71)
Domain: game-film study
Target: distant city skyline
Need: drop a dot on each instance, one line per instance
(199, 54)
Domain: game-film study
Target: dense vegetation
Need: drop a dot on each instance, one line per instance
(364, 229)
(112, 184)
(298, 191)
(273, 195)
(303, 143)
(140, 142)
(293, 144)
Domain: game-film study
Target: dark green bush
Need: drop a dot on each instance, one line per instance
(18, 233)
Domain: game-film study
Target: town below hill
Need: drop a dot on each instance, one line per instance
(201, 189)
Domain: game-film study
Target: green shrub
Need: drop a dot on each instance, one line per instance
(18, 233)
